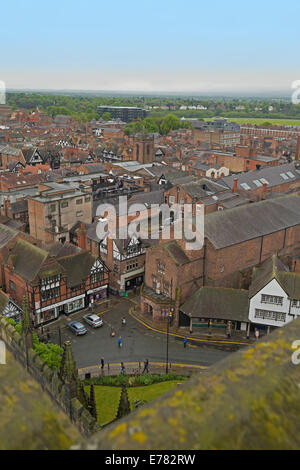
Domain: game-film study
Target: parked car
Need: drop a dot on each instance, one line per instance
(93, 320)
(77, 328)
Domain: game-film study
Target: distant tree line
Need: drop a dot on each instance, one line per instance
(83, 107)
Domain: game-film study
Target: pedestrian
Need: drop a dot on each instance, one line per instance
(146, 366)
(184, 342)
(120, 342)
(113, 334)
(124, 321)
(122, 368)
(102, 363)
(256, 333)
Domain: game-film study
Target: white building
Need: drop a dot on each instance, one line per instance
(274, 295)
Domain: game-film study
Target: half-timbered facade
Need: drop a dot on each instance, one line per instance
(54, 285)
(124, 258)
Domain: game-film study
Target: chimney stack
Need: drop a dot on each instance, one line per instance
(298, 149)
(82, 239)
(263, 191)
(235, 185)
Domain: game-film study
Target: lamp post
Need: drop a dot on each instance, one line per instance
(170, 314)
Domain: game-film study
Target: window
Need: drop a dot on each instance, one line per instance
(79, 201)
(290, 174)
(245, 186)
(49, 294)
(284, 176)
(52, 207)
(269, 315)
(97, 277)
(131, 267)
(296, 303)
(87, 198)
(171, 199)
(161, 268)
(50, 280)
(271, 299)
(79, 214)
(257, 183)
(76, 288)
(12, 286)
(64, 204)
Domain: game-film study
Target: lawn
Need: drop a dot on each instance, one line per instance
(274, 122)
(107, 398)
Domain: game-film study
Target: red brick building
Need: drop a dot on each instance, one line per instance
(59, 280)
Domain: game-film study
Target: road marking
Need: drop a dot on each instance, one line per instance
(184, 336)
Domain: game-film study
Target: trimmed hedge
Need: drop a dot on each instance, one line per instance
(133, 381)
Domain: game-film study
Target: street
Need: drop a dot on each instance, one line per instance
(139, 342)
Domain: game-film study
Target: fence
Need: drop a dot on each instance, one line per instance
(137, 368)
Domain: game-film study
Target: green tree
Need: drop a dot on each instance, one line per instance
(151, 125)
(170, 122)
(92, 403)
(124, 405)
(106, 116)
(82, 395)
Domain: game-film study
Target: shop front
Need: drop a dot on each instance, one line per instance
(52, 312)
(133, 283)
(97, 294)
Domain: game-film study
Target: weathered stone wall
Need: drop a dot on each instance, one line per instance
(48, 379)
(248, 401)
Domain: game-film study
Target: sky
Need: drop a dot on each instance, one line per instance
(206, 46)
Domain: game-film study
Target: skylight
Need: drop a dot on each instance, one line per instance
(245, 186)
(290, 174)
(258, 183)
(264, 181)
(284, 176)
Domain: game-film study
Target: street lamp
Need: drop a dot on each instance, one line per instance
(170, 315)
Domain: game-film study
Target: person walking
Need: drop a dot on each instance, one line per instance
(146, 367)
(256, 333)
(124, 321)
(120, 342)
(184, 342)
(102, 363)
(122, 368)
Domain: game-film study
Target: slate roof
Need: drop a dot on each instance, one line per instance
(27, 259)
(176, 252)
(19, 206)
(203, 187)
(153, 197)
(7, 150)
(60, 250)
(218, 303)
(6, 234)
(77, 267)
(273, 268)
(95, 168)
(237, 225)
(272, 174)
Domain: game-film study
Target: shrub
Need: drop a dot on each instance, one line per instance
(133, 381)
(51, 354)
